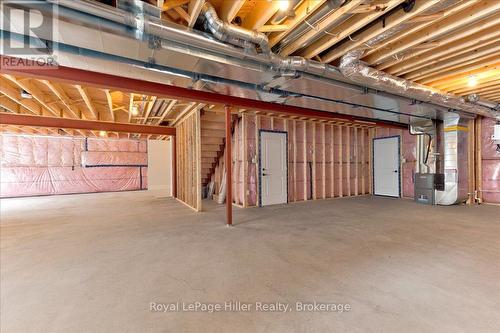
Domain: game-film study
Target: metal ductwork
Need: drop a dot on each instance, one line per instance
(352, 68)
(425, 129)
(183, 56)
(227, 32)
(456, 171)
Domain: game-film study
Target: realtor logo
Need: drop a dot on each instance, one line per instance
(27, 32)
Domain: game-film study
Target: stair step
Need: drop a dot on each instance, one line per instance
(211, 154)
(212, 141)
(212, 125)
(212, 116)
(210, 147)
(208, 160)
(212, 133)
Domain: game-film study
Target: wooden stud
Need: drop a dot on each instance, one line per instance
(341, 189)
(294, 160)
(314, 178)
(306, 197)
(332, 162)
(324, 159)
(244, 122)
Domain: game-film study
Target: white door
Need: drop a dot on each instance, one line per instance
(386, 169)
(273, 168)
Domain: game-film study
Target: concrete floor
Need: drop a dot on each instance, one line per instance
(94, 263)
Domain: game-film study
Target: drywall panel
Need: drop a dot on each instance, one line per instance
(160, 167)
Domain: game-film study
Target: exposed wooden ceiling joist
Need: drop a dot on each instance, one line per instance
(473, 13)
(388, 23)
(344, 30)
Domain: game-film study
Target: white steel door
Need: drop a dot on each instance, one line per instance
(386, 168)
(273, 168)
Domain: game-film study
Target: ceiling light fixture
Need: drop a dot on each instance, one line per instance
(472, 82)
(102, 133)
(283, 5)
(135, 110)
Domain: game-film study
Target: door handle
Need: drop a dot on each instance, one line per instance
(395, 171)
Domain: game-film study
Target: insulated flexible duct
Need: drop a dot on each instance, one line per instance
(351, 67)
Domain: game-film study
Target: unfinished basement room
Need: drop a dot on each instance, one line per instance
(250, 166)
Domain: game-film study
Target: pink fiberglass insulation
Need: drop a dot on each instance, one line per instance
(490, 163)
(43, 165)
(115, 158)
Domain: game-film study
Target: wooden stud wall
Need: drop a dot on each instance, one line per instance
(339, 155)
(189, 160)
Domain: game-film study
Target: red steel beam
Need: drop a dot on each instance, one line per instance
(93, 125)
(229, 162)
(72, 75)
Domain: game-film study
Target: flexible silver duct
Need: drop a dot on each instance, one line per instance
(455, 161)
(350, 67)
(225, 32)
(475, 99)
(426, 131)
(353, 68)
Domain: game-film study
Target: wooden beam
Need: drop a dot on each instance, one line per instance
(448, 49)
(35, 92)
(170, 4)
(341, 162)
(461, 80)
(15, 96)
(149, 107)
(260, 14)
(167, 111)
(464, 17)
(273, 28)
(183, 14)
(109, 99)
(70, 123)
(229, 9)
(194, 9)
(59, 92)
(344, 30)
(378, 28)
(320, 28)
(294, 147)
(87, 101)
(488, 64)
(302, 12)
(332, 162)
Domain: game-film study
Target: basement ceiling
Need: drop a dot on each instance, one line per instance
(455, 49)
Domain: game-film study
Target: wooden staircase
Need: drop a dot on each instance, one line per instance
(212, 142)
